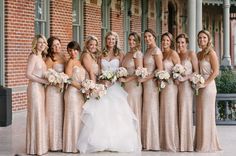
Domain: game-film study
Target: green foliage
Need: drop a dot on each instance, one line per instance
(226, 82)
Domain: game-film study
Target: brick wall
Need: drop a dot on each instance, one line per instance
(19, 31)
(61, 21)
(117, 25)
(92, 21)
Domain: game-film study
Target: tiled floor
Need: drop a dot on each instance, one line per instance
(12, 141)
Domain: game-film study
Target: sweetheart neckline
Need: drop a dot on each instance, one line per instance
(111, 60)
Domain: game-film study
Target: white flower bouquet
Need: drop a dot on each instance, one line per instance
(98, 91)
(197, 79)
(141, 72)
(108, 75)
(178, 70)
(56, 78)
(121, 72)
(86, 86)
(163, 77)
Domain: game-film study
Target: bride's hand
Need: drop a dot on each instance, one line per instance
(141, 80)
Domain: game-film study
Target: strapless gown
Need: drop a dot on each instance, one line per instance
(108, 124)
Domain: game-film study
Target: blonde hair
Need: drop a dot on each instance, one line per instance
(116, 48)
(34, 45)
(210, 46)
(86, 43)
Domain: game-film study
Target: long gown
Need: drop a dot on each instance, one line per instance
(74, 101)
(206, 133)
(109, 123)
(54, 113)
(134, 91)
(169, 132)
(36, 129)
(185, 104)
(150, 112)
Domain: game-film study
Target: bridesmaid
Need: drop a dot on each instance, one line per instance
(132, 61)
(206, 132)
(185, 94)
(89, 57)
(150, 113)
(169, 132)
(54, 98)
(36, 131)
(74, 99)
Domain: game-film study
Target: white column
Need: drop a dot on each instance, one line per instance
(226, 26)
(191, 11)
(198, 20)
(234, 29)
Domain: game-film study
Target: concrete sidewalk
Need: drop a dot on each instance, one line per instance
(12, 141)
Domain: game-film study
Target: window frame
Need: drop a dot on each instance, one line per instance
(46, 9)
(79, 34)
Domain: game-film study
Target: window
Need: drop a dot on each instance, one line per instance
(77, 20)
(106, 5)
(42, 17)
(2, 78)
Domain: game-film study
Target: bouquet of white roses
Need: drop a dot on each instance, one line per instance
(56, 78)
(178, 70)
(141, 72)
(121, 72)
(86, 86)
(163, 77)
(98, 91)
(197, 79)
(108, 75)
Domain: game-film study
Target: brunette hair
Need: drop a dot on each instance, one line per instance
(170, 36)
(50, 43)
(136, 39)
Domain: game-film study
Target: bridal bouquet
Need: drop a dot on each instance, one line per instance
(56, 78)
(86, 86)
(141, 72)
(108, 75)
(196, 80)
(121, 72)
(163, 77)
(98, 91)
(178, 70)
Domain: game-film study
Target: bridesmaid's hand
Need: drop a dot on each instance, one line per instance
(176, 82)
(122, 79)
(201, 85)
(141, 80)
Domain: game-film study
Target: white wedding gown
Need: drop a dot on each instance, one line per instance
(109, 123)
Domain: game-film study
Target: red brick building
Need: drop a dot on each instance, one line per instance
(75, 19)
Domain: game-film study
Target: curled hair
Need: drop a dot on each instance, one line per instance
(210, 46)
(116, 48)
(170, 36)
(50, 49)
(183, 35)
(152, 32)
(137, 40)
(73, 45)
(86, 43)
(34, 45)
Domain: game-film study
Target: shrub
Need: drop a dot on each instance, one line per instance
(226, 82)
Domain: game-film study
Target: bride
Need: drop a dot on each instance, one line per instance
(108, 123)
